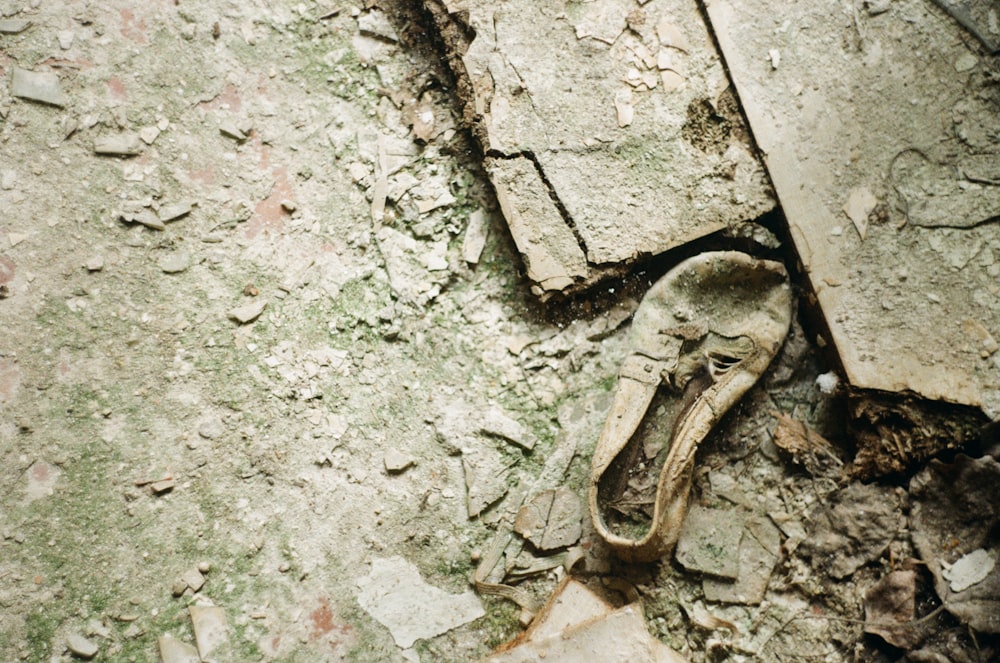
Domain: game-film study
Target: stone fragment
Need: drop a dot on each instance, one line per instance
(397, 597)
(498, 423)
(552, 519)
(211, 631)
(65, 38)
(81, 646)
(710, 541)
(486, 477)
(374, 23)
(396, 461)
(175, 211)
(162, 486)
(178, 588)
(174, 263)
(37, 86)
(229, 128)
(476, 233)
(94, 264)
(860, 204)
(212, 428)
(13, 26)
(148, 135)
(248, 312)
(145, 217)
(759, 551)
(193, 579)
(173, 650)
(125, 144)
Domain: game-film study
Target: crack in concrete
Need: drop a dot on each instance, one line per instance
(553, 195)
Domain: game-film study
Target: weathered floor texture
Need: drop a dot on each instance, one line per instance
(313, 314)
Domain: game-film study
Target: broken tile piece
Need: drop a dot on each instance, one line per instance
(248, 312)
(125, 144)
(552, 519)
(620, 637)
(81, 646)
(397, 596)
(211, 631)
(173, 650)
(39, 86)
(759, 551)
(710, 541)
(485, 477)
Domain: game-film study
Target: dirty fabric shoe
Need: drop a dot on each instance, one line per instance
(702, 336)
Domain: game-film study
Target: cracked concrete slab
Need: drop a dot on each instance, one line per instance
(895, 108)
(609, 129)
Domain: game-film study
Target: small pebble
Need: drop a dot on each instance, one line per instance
(81, 646)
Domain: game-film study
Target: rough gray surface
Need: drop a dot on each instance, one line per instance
(611, 122)
(907, 281)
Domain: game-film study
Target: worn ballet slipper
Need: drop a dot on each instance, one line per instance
(702, 336)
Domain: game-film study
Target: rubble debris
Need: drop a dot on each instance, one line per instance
(890, 607)
(374, 23)
(476, 233)
(193, 578)
(81, 647)
(229, 128)
(710, 541)
(702, 618)
(94, 264)
(14, 26)
(552, 519)
(396, 461)
(125, 144)
(211, 630)
(248, 312)
(576, 625)
(486, 474)
(163, 486)
(175, 211)
(759, 551)
(860, 204)
(39, 86)
(174, 263)
(173, 650)
(610, 107)
(498, 423)
(853, 527)
(894, 434)
(397, 596)
(954, 520)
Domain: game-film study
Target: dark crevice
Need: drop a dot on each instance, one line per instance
(553, 196)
